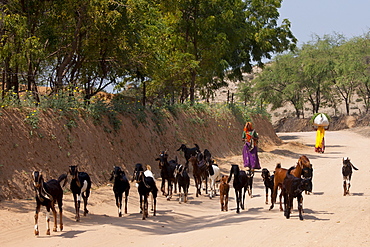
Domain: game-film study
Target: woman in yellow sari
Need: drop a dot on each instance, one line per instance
(320, 141)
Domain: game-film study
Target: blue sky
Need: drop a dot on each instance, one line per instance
(348, 17)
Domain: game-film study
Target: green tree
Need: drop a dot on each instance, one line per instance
(218, 36)
(317, 61)
(362, 49)
(347, 70)
(13, 24)
(281, 82)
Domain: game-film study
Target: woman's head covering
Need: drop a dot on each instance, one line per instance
(248, 126)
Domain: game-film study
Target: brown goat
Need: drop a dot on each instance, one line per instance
(224, 192)
(280, 174)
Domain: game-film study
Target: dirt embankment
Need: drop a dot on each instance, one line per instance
(61, 141)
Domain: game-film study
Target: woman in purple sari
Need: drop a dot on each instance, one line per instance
(250, 149)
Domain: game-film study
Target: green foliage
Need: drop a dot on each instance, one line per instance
(280, 83)
(324, 72)
(32, 118)
(177, 48)
(64, 101)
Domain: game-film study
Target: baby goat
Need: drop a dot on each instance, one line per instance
(347, 174)
(224, 192)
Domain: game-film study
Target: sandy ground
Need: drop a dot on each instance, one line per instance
(330, 219)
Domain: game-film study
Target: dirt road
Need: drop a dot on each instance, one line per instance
(330, 219)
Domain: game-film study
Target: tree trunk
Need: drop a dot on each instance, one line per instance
(144, 91)
(192, 86)
(347, 105)
(61, 70)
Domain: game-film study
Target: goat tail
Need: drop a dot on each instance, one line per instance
(61, 178)
(354, 167)
(196, 145)
(278, 165)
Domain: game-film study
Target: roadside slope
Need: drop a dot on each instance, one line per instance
(62, 140)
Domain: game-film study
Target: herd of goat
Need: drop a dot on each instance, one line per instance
(292, 182)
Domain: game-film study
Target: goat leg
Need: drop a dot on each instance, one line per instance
(185, 195)
(222, 202)
(55, 218)
(280, 198)
(126, 200)
(146, 207)
(238, 195)
(36, 220)
(175, 187)
(344, 188)
(300, 207)
(163, 189)
(349, 186)
(85, 204)
(48, 221)
(141, 204)
(288, 201)
(155, 204)
(169, 194)
(143, 209)
(242, 197)
(61, 218)
(119, 205)
(273, 197)
(226, 202)
(152, 208)
(77, 205)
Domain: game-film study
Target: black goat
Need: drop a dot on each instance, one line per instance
(146, 185)
(268, 181)
(183, 181)
(47, 194)
(293, 188)
(200, 172)
(240, 185)
(347, 175)
(120, 186)
(188, 152)
(307, 172)
(167, 173)
(80, 187)
(207, 156)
